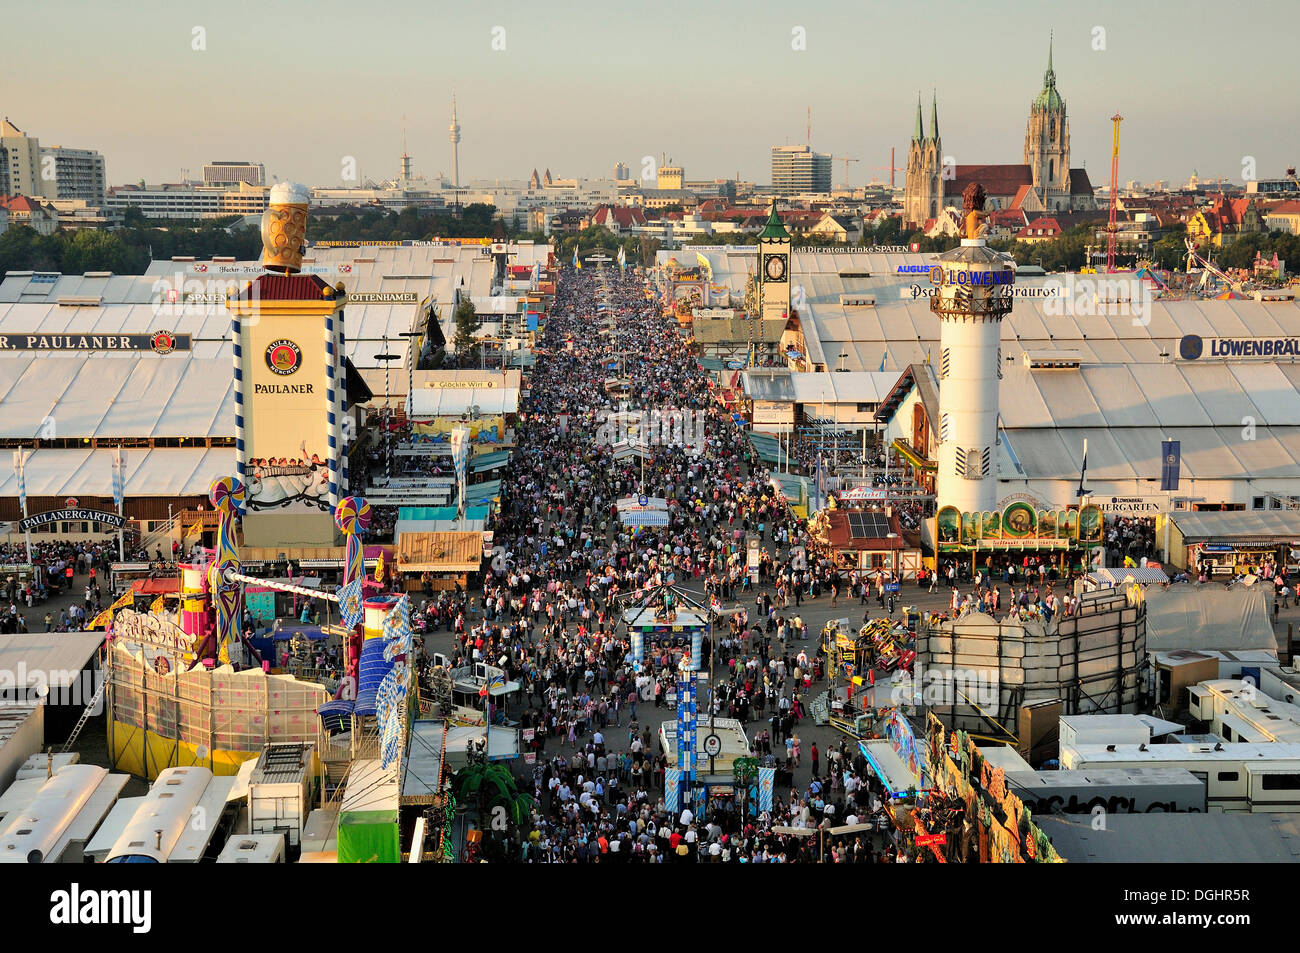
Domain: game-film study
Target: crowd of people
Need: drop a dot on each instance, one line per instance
(567, 568)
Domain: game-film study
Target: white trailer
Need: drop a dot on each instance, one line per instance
(253, 849)
(280, 791)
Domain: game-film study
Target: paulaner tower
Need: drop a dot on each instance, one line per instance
(973, 296)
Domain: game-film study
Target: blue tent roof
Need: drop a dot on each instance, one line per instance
(420, 513)
(479, 493)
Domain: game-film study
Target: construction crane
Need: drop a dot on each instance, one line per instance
(891, 167)
(1290, 174)
(846, 160)
(1114, 193)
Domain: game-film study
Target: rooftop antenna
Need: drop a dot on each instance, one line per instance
(809, 125)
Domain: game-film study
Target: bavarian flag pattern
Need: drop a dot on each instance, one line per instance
(350, 604)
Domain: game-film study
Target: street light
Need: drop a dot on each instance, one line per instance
(387, 359)
(411, 358)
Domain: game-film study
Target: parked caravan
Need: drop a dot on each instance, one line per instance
(1239, 778)
(161, 831)
(61, 816)
(253, 849)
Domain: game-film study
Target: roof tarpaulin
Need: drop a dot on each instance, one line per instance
(1208, 617)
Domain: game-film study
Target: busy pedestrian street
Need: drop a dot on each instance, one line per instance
(551, 610)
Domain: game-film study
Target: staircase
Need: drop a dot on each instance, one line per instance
(161, 537)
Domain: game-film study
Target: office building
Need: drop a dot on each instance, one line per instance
(797, 169)
(228, 173)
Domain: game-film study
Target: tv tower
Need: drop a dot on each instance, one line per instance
(406, 159)
(454, 137)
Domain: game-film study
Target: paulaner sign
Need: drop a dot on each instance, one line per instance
(72, 516)
(95, 342)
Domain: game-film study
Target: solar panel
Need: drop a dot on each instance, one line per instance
(868, 525)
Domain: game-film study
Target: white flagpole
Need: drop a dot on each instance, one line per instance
(20, 468)
(119, 491)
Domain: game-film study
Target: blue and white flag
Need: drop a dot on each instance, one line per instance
(397, 630)
(459, 440)
(20, 470)
(389, 742)
(672, 789)
(119, 466)
(766, 786)
(350, 604)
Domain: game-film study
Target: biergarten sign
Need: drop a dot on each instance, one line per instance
(1135, 505)
(114, 520)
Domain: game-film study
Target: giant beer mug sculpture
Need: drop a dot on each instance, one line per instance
(284, 228)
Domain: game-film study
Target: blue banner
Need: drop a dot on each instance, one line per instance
(697, 650)
(638, 646)
(1171, 453)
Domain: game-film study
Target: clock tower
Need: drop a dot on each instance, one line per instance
(774, 270)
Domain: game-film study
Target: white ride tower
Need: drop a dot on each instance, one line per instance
(973, 295)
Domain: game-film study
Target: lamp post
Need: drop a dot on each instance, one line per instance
(387, 359)
(411, 357)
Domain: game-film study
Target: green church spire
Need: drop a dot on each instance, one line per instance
(918, 133)
(1049, 98)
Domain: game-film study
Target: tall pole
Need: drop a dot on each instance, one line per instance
(119, 490)
(20, 469)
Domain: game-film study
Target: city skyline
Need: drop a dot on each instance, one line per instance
(557, 89)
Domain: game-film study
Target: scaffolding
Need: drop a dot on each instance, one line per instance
(162, 717)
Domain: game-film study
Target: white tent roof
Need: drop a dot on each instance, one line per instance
(908, 330)
(140, 395)
(157, 472)
(60, 656)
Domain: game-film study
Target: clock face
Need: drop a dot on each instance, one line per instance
(774, 267)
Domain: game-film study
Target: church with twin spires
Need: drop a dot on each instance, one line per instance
(1044, 183)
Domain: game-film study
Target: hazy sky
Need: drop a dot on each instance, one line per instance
(581, 85)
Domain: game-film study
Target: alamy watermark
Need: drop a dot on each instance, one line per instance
(666, 427)
(24, 686)
(1082, 296)
(946, 685)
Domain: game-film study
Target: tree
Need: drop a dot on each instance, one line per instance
(500, 804)
(648, 248)
(1170, 251)
(467, 323)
